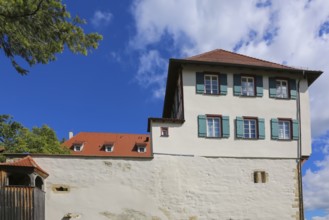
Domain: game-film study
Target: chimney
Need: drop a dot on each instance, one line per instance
(70, 134)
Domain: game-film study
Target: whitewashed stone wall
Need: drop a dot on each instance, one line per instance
(169, 187)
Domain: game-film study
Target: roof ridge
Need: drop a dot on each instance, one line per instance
(202, 54)
(241, 55)
(95, 132)
(258, 59)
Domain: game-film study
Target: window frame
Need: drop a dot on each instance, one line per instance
(256, 127)
(260, 176)
(164, 132)
(220, 125)
(282, 120)
(75, 146)
(211, 84)
(107, 146)
(139, 147)
(288, 87)
(254, 85)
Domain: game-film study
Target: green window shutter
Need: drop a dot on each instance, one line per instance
(259, 86)
(239, 127)
(226, 126)
(223, 84)
(261, 128)
(293, 91)
(272, 87)
(274, 129)
(237, 84)
(202, 127)
(200, 83)
(295, 130)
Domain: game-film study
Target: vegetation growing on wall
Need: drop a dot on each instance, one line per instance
(15, 138)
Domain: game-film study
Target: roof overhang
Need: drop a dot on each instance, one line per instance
(164, 120)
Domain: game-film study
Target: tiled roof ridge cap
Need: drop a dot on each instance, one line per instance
(242, 55)
(95, 132)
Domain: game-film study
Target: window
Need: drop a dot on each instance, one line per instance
(108, 148)
(19, 179)
(164, 132)
(77, 147)
(247, 86)
(284, 129)
(213, 127)
(141, 149)
(260, 177)
(281, 88)
(60, 188)
(250, 128)
(211, 84)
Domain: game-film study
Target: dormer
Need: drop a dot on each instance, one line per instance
(108, 146)
(141, 147)
(77, 146)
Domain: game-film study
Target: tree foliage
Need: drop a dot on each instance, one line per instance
(36, 30)
(18, 139)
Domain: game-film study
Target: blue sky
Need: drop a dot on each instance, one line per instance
(119, 85)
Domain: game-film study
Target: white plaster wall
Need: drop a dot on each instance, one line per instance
(184, 139)
(170, 187)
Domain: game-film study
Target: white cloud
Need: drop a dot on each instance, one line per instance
(315, 182)
(152, 72)
(316, 188)
(280, 31)
(321, 218)
(101, 19)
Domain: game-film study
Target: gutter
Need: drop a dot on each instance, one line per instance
(299, 152)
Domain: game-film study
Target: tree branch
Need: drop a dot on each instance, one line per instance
(23, 15)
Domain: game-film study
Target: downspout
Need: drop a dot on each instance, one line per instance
(299, 153)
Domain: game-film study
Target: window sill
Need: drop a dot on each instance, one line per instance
(250, 96)
(279, 98)
(252, 139)
(284, 139)
(210, 94)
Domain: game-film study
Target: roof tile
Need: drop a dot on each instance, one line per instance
(25, 162)
(124, 144)
(223, 56)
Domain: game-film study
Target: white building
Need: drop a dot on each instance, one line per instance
(234, 133)
(225, 105)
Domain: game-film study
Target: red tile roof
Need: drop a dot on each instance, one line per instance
(26, 162)
(125, 145)
(223, 56)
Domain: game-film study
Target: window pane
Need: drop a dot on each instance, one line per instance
(210, 127)
(211, 84)
(284, 130)
(281, 89)
(215, 86)
(250, 128)
(244, 88)
(247, 86)
(213, 127)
